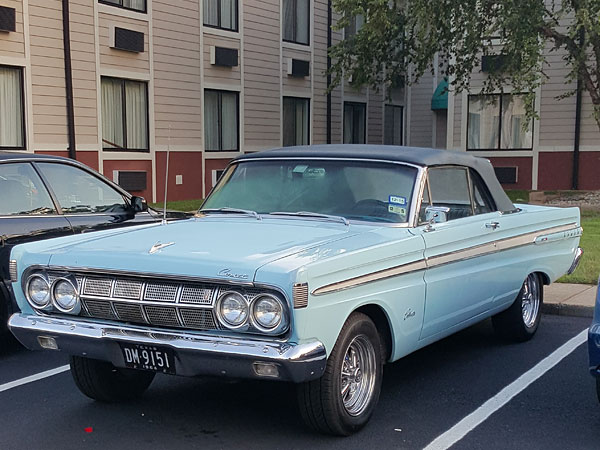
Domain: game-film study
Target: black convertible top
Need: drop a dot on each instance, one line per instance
(423, 157)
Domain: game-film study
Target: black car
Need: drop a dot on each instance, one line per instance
(45, 196)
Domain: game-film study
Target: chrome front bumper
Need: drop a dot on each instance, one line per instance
(194, 354)
(578, 255)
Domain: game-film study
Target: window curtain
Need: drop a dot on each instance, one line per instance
(229, 130)
(211, 12)
(474, 132)
(139, 5)
(112, 113)
(11, 107)
(211, 120)
(302, 21)
(513, 119)
(228, 14)
(136, 104)
(302, 112)
(348, 124)
(289, 122)
(484, 125)
(393, 125)
(289, 22)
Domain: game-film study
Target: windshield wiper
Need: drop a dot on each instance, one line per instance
(312, 214)
(246, 212)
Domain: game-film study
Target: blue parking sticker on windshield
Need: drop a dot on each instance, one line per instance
(397, 200)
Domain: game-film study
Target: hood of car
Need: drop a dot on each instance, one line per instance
(212, 247)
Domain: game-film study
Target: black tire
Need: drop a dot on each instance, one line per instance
(598, 388)
(321, 401)
(102, 381)
(515, 324)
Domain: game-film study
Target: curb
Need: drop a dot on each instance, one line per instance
(561, 309)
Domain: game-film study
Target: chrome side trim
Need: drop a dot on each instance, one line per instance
(578, 255)
(569, 230)
(374, 276)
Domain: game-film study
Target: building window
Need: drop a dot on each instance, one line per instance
(221, 14)
(296, 121)
(495, 122)
(12, 110)
(135, 5)
(393, 125)
(296, 23)
(356, 23)
(124, 114)
(221, 123)
(355, 123)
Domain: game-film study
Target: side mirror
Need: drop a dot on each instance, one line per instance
(435, 214)
(138, 204)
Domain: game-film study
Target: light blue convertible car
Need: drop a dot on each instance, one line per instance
(313, 265)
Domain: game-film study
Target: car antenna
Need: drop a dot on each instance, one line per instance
(164, 220)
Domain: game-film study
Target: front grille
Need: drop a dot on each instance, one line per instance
(196, 295)
(153, 301)
(129, 313)
(149, 301)
(199, 319)
(99, 309)
(128, 289)
(161, 292)
(99, 287)
(161, 315)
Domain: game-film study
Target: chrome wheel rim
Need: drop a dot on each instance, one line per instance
(530, 300)
(359, 369)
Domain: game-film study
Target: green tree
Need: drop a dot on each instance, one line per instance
(401, 34)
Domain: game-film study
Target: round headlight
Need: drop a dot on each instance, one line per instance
(38, 291)
(267, 312)
(64, 295)
(233, 309)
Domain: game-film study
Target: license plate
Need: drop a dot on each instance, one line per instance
(149, 357)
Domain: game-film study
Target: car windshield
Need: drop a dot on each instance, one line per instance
(356, 190)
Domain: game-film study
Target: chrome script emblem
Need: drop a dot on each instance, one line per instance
(158, 246)
(236, 276)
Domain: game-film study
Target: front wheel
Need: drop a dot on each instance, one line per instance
(342, 401)
(102, 381)
(521, 321)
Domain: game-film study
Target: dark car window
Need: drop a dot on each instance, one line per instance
(22, 191)
(77, 191)
(450, 188)
(481, 197)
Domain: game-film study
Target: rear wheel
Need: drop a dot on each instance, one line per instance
(102, 381)
(521, 321)
(342, 401)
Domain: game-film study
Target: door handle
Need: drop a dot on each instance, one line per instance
(492, 225)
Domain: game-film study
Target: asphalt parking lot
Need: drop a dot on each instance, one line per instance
(432, 397)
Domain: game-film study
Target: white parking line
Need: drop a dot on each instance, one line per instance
(32, 378)
(470, 422)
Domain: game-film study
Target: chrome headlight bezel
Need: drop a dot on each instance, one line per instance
(70, 281)
(38, 306)
(256, 322)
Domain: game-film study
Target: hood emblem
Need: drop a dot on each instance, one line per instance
(236, 276)
(158, 246)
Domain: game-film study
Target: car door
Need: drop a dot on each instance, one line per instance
(27, 213)
(461, 271)
(88, 202)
